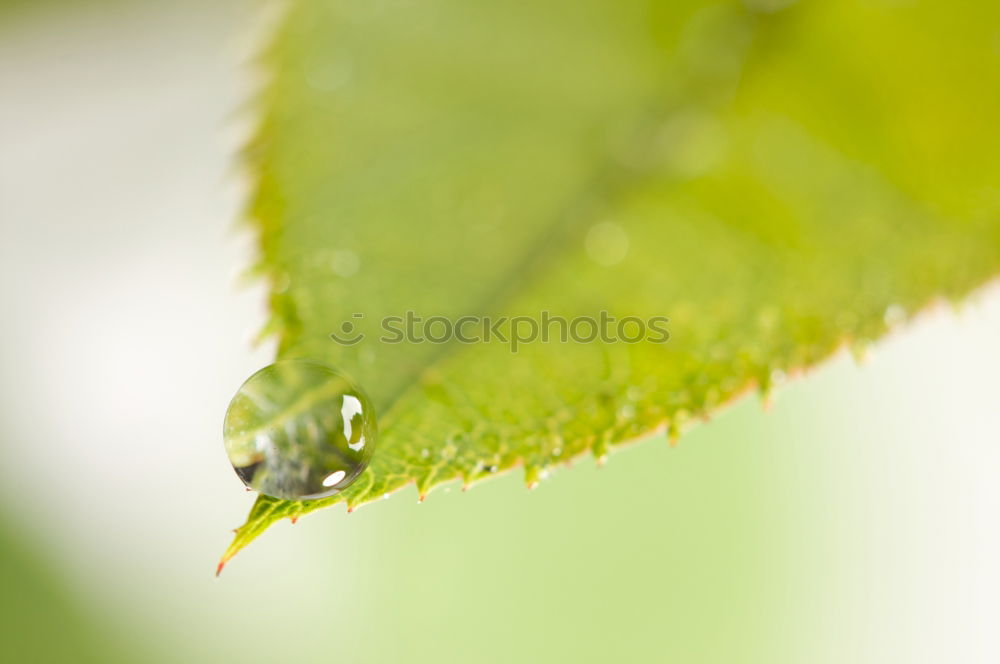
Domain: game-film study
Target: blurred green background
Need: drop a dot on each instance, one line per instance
(853, 522)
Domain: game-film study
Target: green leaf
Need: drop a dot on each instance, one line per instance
(779, 182)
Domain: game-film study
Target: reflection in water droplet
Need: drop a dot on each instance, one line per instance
(334, 478)
(299, 430)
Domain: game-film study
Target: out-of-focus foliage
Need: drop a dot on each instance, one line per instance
(38, 620)
(783, 180)
(15, 7)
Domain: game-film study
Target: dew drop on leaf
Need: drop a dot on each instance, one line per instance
(299, 430)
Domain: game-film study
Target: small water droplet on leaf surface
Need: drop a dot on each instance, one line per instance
(299, 430)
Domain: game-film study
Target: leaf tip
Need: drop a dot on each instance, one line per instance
(674, 434)
(860, 351)
(600, 452)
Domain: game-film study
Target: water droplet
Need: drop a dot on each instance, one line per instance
(299, 430)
